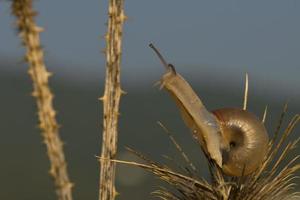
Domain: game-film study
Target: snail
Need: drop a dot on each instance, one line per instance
(235, 139)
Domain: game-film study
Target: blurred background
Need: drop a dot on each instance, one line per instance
(211, 43)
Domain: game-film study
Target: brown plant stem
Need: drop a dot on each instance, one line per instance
(29, 34)
(111, 99)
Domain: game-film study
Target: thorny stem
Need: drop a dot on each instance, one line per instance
(111, 99)
(29, 33)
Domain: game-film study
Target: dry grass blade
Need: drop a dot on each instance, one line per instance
(173, 178)
(178, 147)
(270, 181)
(29, 33)
(279, 124)
(265, 114)
(246, 92)
(275, 148)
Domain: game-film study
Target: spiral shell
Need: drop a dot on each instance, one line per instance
(244, 141)
(234, 139)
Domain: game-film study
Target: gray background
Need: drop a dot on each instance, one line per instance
(212, 43)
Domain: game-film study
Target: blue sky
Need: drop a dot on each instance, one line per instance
(261, 37)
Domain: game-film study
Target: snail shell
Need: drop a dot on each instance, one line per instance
(234, 138)
(244, 141)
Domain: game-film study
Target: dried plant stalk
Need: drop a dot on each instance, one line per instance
(270, 181)
(111, 98)
(29, 34)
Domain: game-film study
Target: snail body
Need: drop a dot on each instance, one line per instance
(234, 138)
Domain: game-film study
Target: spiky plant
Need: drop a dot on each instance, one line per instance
(269, 181)
(29, 34)
(111, 98)
(274, 179)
